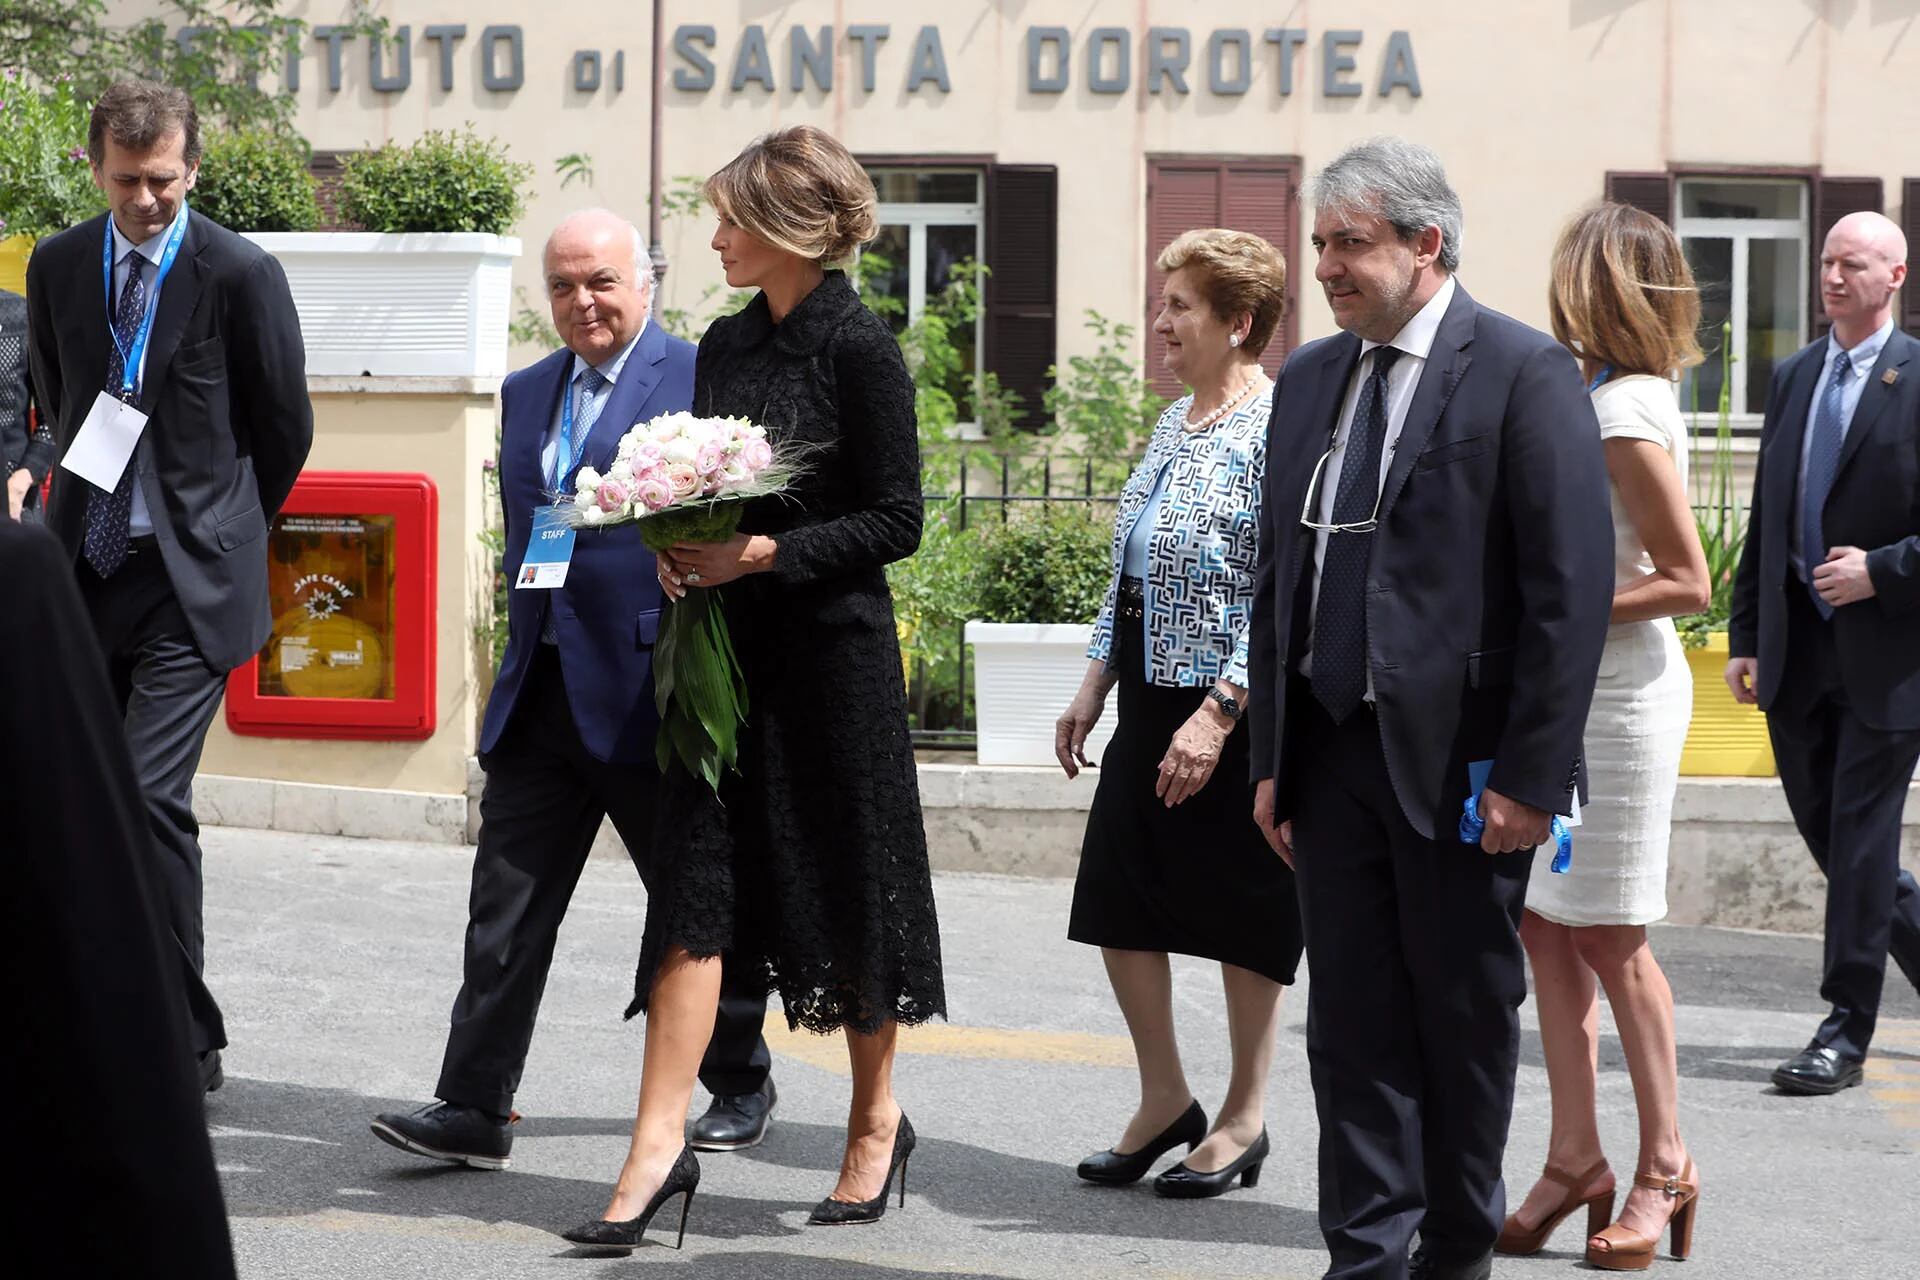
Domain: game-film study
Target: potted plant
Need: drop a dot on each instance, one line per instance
(1040, 581)
(46, 184)
(1725, 738)
(425, 289)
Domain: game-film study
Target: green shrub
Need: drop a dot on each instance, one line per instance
(1050, 567)
(45, 182)
(443, 182)
(257, 180)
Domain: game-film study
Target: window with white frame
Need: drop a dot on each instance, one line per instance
(1746, 240)
(930, 220)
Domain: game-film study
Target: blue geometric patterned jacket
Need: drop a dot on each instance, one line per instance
(1200, 563)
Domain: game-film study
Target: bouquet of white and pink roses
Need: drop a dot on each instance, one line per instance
(682, 478)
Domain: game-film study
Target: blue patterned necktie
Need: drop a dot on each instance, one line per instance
(1823, 464)
(1340, 618)
(586, 411)
(108, 513)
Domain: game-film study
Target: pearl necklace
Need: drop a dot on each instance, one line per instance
(1231, 403)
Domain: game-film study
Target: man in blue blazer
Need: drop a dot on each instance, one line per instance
(1825, 632)
(1436, 574)
(568, 737)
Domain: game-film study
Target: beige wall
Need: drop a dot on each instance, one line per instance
(1530, 102)
(445, 431)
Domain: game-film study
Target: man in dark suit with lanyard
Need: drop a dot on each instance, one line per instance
(167, 358)
(1825, 632)
(568, 737)
(1435, 580)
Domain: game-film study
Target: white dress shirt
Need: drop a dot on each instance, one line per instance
(1862, 359)
(139, 522)
(1414, 342)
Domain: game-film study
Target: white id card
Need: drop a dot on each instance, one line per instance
(105, 444)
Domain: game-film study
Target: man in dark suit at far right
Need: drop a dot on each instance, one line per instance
(1825, 632)
(1436, 574)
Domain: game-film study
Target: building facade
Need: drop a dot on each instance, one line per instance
(1065, 144)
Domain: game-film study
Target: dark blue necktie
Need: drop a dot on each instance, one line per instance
(108, 513)
(1340, 617)
(1823, 464)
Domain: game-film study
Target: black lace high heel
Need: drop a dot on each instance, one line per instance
(1111, 1169)
(1182, 1183)
(841, 1213)
(682, 1179)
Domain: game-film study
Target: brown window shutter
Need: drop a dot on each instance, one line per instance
(1023, 214)
(1649, 192)
(1910, 223)
(1181, 196)
(1834, 199)
(1260, 199)
(325, 167)
(1258, 196)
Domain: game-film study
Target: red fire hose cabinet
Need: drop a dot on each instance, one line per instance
(351, 579)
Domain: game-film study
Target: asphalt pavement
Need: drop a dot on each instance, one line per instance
(336, 961)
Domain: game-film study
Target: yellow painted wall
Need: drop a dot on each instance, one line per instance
(446, 435)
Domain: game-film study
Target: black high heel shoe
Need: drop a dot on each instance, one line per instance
(1182, 1183)
(1111, 1169)
(841, 1213)
(682, 1179)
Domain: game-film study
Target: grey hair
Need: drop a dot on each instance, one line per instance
(1400, 181)
(642, 260)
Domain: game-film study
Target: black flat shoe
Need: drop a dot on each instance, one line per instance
(1182, 1183)
(444, 1131)
(841, 1213)
(1817, 1070)
(1422, 1266)
(598, 1233)
(1111, 1169)
(734, 1121)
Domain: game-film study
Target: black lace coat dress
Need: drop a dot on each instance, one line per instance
(809, 870)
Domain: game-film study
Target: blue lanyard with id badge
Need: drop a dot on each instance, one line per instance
(104, 445)
(550, 545)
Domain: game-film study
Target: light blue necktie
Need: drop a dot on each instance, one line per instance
(1823, 464)
(586, 411)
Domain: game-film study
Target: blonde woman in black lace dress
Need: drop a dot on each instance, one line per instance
(809, 868)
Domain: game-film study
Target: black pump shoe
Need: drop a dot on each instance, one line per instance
(1111, 1169)
(1182, 1183)
(598, 1233)
(841, 1213)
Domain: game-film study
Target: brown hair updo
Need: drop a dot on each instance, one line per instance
(801, 191)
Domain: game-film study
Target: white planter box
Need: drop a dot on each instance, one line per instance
(417, 305)
(1024, 675)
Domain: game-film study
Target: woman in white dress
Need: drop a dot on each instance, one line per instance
(1624, 301)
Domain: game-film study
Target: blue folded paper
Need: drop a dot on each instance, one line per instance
(1473, 826)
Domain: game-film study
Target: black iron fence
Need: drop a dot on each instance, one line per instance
(969, 488)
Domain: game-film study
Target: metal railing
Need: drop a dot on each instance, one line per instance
(985, 487)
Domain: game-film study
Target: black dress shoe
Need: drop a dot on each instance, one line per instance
(735, 1121)
(682, 1179)
(211, 1076)
(1817, 1069)
(1182, 1183)
(845, 1213)
(1423, 1267)
(1111, 1169)
(446, 1131)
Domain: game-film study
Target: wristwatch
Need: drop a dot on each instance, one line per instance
(1228, 703)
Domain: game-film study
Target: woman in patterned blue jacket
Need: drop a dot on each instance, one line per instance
(1172, 861)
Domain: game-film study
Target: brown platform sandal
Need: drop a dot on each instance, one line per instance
(1629, 1250)
(1517, 1241)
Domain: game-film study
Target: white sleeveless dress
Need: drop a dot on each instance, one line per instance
(1638, 723)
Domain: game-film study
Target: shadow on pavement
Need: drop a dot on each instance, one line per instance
(289, 1150)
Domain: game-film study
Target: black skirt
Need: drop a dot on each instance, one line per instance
(1197, 879)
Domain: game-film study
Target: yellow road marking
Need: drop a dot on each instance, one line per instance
(829, 1053)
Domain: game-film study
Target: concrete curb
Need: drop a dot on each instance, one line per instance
(1736, 860)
